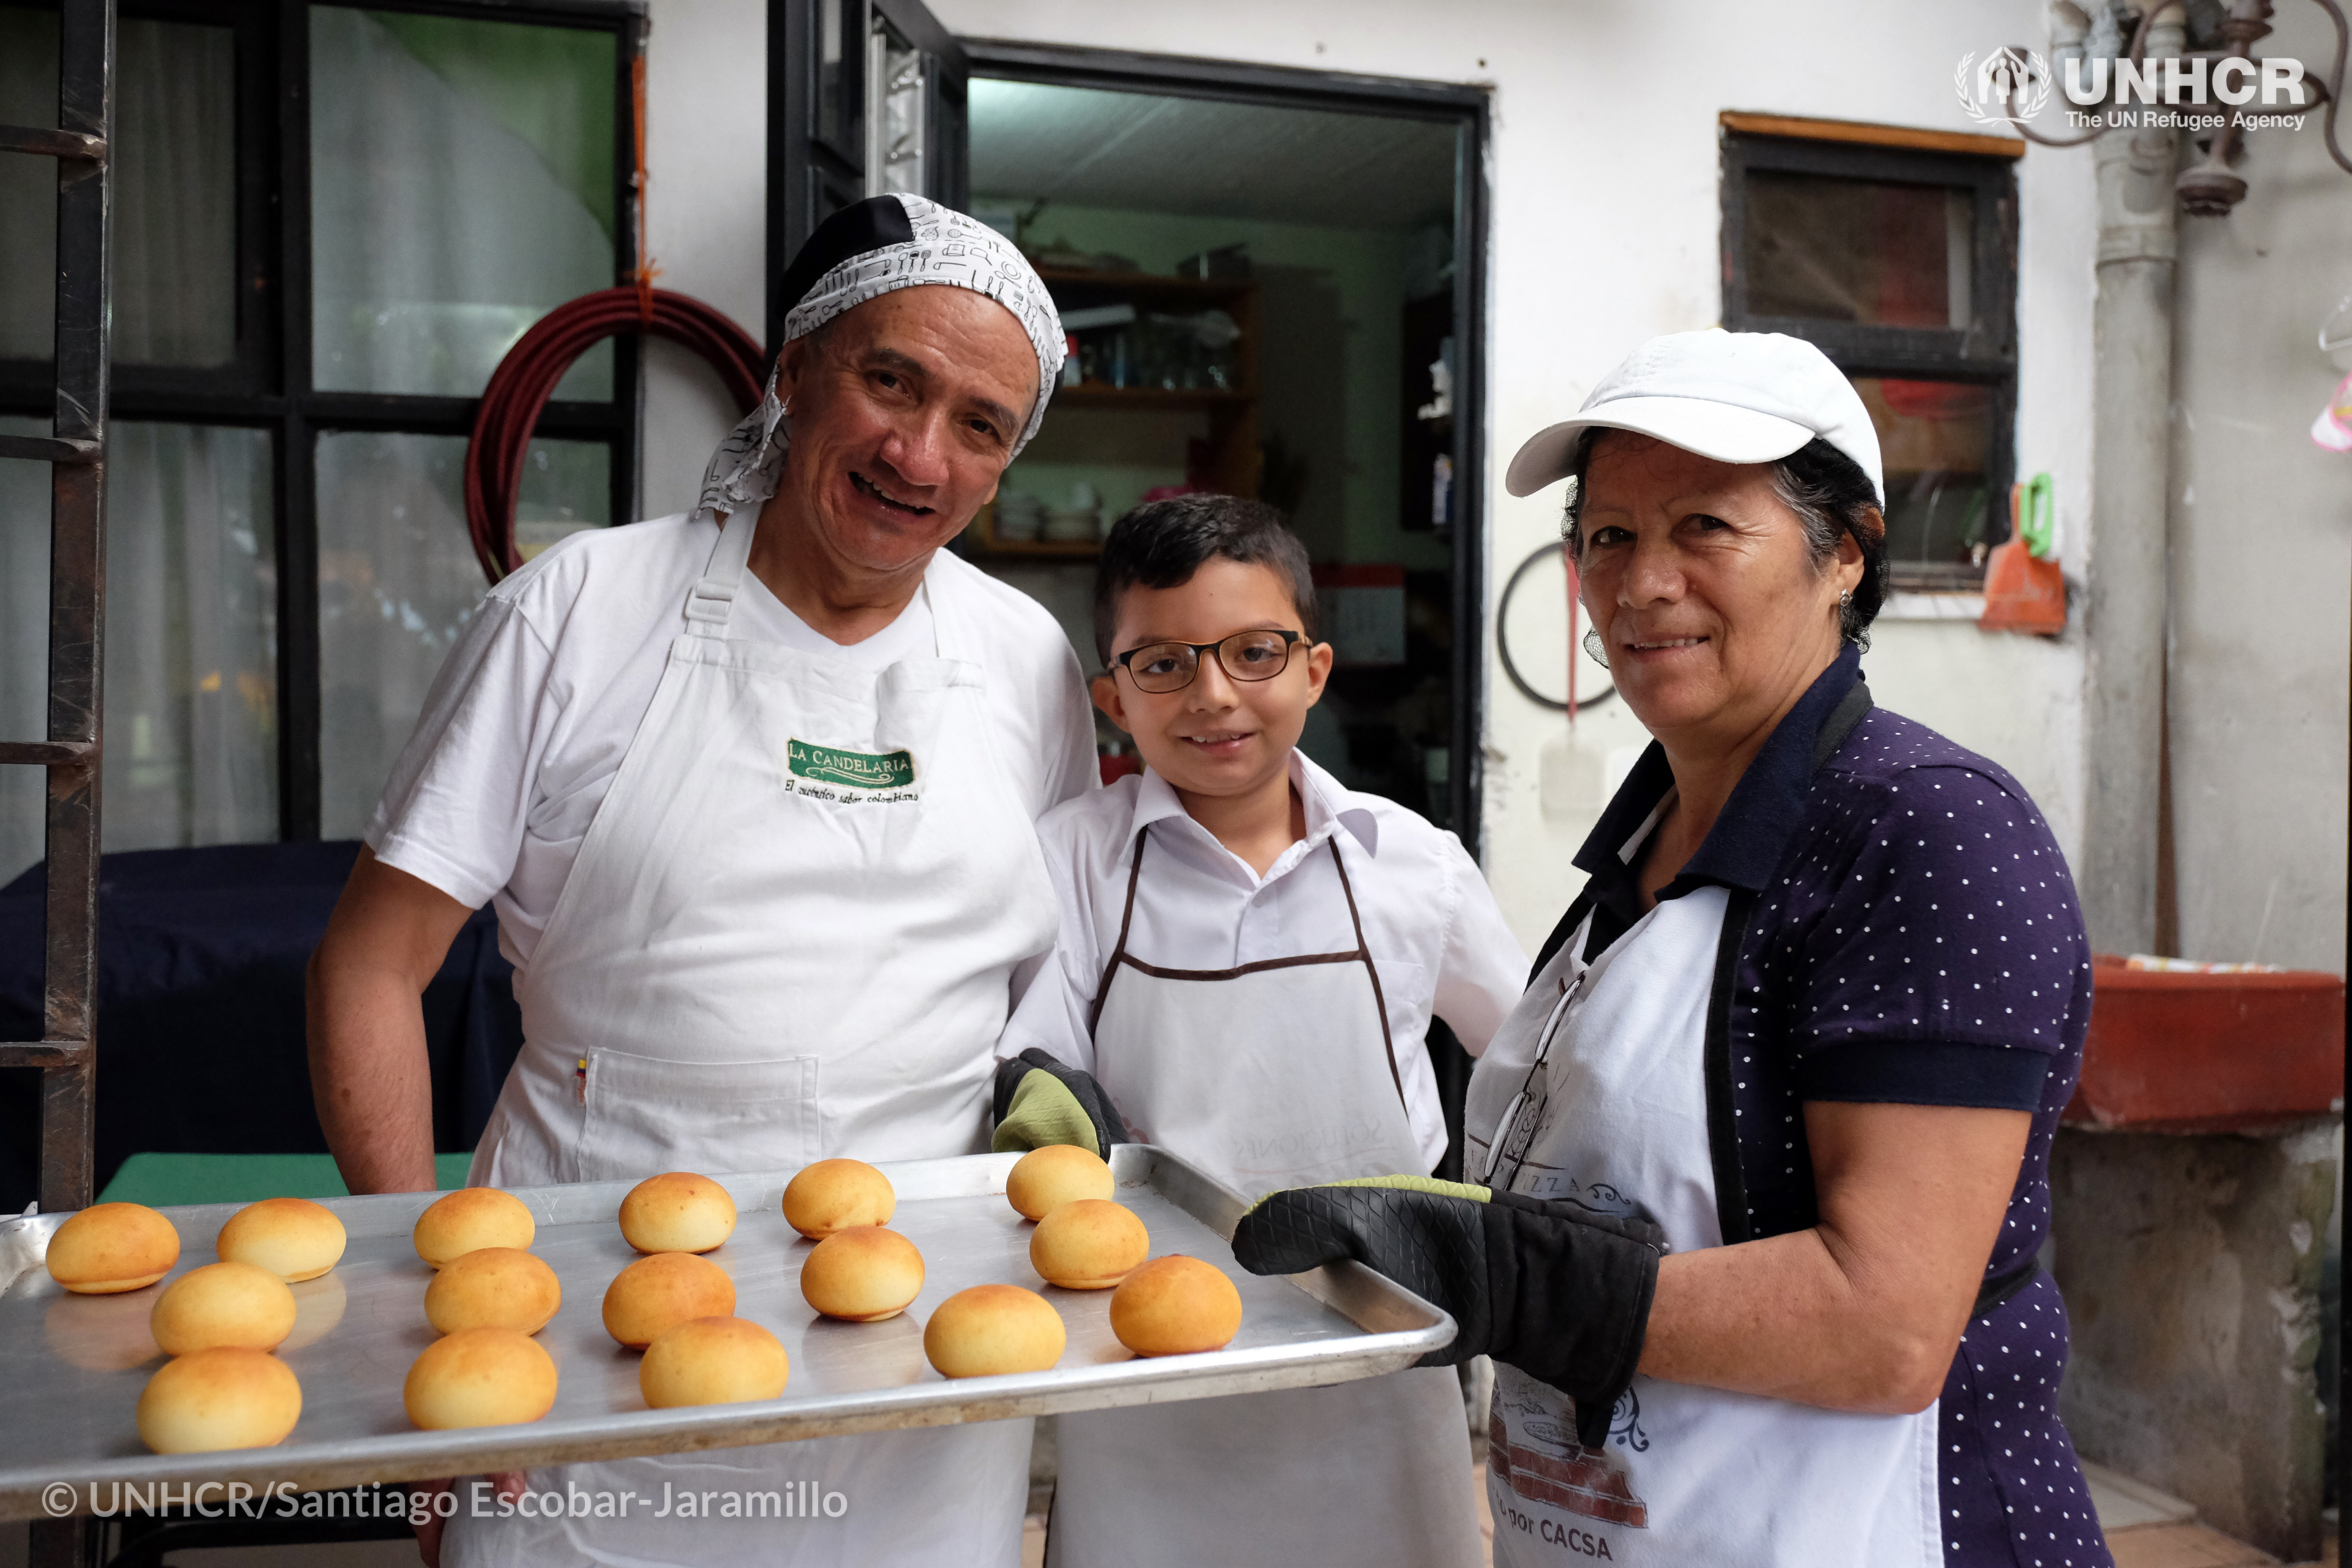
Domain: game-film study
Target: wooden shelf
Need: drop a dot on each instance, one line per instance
(1159, 285)
(979, 542)
(1102, 394)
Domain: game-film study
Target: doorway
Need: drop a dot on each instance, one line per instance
(1264, 271)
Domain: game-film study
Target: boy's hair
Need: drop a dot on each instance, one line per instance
(1161, 544)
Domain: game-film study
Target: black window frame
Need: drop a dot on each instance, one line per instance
(1982, 353)
(268, 383)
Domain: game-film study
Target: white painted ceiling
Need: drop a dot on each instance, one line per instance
(1194, 156)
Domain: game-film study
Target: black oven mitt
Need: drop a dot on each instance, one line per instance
(1039, 1102)
(1557, 1290)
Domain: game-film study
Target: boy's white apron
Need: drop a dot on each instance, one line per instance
(1600, 1073)
(788, 935)
(1266, 1077)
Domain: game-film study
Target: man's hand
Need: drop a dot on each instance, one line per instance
(430, 1522)
(1041, 1101)
(1562, 1293)
(369, 1074)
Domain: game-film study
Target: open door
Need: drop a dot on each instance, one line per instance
(864, 97)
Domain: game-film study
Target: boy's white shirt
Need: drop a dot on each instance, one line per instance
(1430, 921)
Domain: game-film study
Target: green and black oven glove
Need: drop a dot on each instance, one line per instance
(1557, 1291)
(1039, 1102)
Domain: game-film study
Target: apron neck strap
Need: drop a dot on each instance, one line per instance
(710, 603)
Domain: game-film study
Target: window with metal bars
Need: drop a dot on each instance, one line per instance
(330, 223)
(1901, 264)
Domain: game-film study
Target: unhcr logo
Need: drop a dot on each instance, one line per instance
(2192, 92)
(2005, 87)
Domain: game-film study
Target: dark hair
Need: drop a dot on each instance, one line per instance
(1828, 491)
(1161, 544)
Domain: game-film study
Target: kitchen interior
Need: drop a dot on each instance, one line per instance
(1261, 300)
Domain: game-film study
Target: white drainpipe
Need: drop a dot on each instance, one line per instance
(2124, 619)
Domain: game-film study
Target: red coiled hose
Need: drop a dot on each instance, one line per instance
(526, 378)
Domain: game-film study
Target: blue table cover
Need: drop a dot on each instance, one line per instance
(200, 1025)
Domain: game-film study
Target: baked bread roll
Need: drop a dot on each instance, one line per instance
(224, 1397)
(990, 1329)
(112, 1247)
(712, 1361)
(1175, 1306)
(234, 1304)
(493, 1287)
(1055, 1174)
(657, 1293)
(835, 1194)
(469, 1218)
(680, 1212)
(862, 1275)
(294, 1238)
(479, 1377)
(1090, 1244)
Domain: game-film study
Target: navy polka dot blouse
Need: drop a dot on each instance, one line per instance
(1910, 936)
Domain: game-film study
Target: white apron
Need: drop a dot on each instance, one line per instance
(1595, 1088)
(788, 935)
(1265, 1077)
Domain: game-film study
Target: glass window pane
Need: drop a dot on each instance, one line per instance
(29, 188)
(174, 194)
(191, 639)
(1858, 250)
(1934, 438)
(461, 185)
(24, 642)
(398, 584)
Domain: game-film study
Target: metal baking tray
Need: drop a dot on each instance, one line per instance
(72, 1367)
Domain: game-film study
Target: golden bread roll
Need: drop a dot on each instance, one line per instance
(680, 1212)
(712, 1361)
(1055, 1174)
(657, 1293)
(835, 1194)
(479, 1377)
(1175, 1306)
(493, 1287)
(224, 1397)
(862, 1275)
(470, 1218)
(109, 1248)
(1090, 1244)
(294, 1238)
(233, 1304)
(993, 1329)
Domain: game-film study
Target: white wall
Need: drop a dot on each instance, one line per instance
(1606, 222)
(2262, 549)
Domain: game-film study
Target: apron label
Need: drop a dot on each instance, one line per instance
(827, 773)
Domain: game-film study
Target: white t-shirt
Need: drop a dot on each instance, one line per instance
(1431, 923)
(526, 725)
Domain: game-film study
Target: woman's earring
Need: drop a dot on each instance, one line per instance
(1845, 597)
(1595, 646)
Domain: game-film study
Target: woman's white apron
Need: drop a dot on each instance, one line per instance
(1595, 1089)
(788, 935)
(1265, 1077)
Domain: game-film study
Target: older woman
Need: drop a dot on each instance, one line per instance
(1767, 1141)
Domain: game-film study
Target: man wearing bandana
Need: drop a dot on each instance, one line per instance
(752, 790)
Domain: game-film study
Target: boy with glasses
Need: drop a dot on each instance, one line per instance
(1249, 958)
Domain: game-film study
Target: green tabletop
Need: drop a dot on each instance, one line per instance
(157, 1180)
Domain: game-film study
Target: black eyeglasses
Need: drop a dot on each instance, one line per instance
(1165, 667)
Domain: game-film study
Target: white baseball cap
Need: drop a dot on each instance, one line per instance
(1737, 397)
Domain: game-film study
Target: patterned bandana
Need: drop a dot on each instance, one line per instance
(869, 249)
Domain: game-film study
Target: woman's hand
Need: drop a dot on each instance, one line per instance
(1865, 1311)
